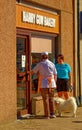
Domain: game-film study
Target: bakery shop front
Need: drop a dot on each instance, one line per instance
(37, 30)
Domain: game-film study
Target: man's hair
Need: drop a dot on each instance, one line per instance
(44, 56)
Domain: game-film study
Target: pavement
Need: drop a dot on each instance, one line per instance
(31, 122)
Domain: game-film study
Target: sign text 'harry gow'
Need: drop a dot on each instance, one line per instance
(38, 19)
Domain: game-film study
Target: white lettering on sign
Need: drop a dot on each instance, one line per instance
(50, 22)
(28, 17)
(38, 19)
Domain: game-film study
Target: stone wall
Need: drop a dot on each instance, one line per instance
(7, 60)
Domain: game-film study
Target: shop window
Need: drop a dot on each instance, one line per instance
(35, 58)
(40, 44)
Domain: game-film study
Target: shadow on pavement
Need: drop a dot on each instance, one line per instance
(77, 121)
(31, 117)
(39, 117)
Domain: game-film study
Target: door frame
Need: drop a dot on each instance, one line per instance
(24, 33)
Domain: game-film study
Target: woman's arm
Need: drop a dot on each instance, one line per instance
(70, 78)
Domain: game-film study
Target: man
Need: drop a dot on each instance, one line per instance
(47, 76)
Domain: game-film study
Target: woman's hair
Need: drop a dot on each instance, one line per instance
(60, 56)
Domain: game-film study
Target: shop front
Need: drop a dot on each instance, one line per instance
(37, 30)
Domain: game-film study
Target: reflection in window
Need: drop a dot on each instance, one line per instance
(35, 59)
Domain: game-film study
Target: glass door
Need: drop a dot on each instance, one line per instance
(23, 91)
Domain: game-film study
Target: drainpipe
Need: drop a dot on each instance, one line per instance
(78, 51)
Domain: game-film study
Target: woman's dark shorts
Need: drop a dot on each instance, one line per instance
(63, 85)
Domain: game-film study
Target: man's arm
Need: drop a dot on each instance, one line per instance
(30, 72)
(55, 77)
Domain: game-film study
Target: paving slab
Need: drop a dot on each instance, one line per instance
(66, 122)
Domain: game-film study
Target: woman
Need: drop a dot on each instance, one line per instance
(64, 78)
